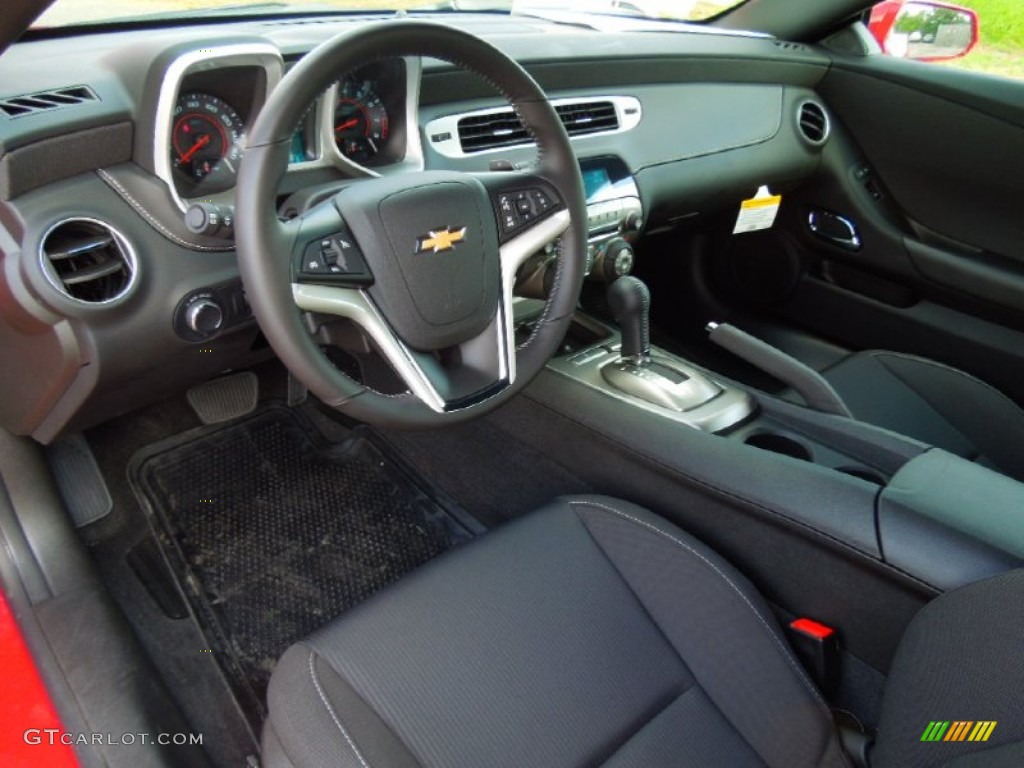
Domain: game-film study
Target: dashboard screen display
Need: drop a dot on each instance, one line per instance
(595, 180)
(298, 153)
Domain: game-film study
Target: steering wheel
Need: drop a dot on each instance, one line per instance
(423, 262)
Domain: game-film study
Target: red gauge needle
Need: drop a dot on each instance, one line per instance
(200, 143)
(347, 124)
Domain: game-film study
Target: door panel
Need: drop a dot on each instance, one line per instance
(955, 169)
(928, 163)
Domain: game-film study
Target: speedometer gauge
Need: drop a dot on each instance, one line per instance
(206, 141)
(360, 121)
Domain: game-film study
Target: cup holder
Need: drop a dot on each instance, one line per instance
(787, 446)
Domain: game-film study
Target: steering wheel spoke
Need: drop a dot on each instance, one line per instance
(449, 380)
(418, 370)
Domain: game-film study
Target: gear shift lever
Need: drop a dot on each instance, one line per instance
(659, 380)
(630, 302)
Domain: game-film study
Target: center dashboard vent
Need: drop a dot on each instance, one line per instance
(502, 128)
(88, 261)
(17, 106)
(812, 120)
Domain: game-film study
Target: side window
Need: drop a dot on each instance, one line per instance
(981, 35)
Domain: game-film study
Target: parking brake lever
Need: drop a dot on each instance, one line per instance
(807, 382)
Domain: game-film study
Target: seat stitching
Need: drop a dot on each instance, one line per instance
(333, 714)
(798, 670)
(775, 638)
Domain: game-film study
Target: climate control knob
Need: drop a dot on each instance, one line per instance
(616, 260)
(204, 316)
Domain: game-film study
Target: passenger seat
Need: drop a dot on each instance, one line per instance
(933, 403)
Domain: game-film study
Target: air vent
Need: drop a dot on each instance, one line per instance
(813, 122)
(88, 261)
(501, 128)
(17, 106)
(588, 117)
(478, 133)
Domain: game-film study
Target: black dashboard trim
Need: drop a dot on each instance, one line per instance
(51, 160)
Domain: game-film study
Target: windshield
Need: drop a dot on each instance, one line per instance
(74, 12)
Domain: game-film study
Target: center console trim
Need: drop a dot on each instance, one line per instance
(727, 409)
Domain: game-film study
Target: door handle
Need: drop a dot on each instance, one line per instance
(835, 229)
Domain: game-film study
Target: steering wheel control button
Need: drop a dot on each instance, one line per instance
(542, 203)
(334, 259)
(522, 208)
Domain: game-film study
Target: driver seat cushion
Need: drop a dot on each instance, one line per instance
(934, 403)
(588, 633)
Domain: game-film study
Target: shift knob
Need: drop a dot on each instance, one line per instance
(630, 302)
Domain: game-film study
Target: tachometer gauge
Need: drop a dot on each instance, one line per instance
(206, 141)
(360, 121)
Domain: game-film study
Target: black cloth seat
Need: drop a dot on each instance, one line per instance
(588, 633)
(933, 403)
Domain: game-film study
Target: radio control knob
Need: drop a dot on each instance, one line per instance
(618, 260)
(633, 222)
(204, 316)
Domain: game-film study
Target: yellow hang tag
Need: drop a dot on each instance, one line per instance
(758, 212)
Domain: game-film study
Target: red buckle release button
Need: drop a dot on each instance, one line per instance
(812, 628)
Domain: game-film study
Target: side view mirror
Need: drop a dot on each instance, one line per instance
(924, 30)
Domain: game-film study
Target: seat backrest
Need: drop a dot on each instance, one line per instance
(955, 695)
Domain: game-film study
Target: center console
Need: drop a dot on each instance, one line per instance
(939, 518)
(623, 365)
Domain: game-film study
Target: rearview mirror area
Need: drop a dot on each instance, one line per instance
(924, 30)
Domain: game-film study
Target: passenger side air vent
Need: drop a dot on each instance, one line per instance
(17, 106)
(588, 117)
(813, 122)
(501, 128)
(88, 260)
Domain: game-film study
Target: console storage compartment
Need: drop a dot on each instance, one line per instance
(949, 521)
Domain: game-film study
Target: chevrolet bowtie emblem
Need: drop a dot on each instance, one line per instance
(440, 240)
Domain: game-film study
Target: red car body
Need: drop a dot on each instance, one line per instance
(883, 19)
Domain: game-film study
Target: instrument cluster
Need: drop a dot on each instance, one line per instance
(360, 119)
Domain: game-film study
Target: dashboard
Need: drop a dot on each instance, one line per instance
(114, 294)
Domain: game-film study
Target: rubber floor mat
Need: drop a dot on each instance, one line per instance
(273, 534)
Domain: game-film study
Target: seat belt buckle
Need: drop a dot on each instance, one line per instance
(817, 647)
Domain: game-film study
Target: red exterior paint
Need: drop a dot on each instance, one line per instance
(883, 17)
(25, 703)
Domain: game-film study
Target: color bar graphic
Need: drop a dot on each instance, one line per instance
(958, 730)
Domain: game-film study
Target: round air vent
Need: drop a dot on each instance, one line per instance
(812, 120)
(88, 260)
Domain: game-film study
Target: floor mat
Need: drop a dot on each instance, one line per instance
(274, 534)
